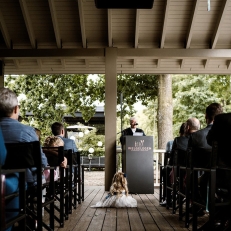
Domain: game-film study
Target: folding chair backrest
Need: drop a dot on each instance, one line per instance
(214, 157)
(2, 201)
(22, 155)
(201, 158)
(55, 155)
(25, 155)
(180, 157)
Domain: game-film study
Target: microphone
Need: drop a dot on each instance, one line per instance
(136, 124)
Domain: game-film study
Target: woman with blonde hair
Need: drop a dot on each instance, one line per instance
(118, 194)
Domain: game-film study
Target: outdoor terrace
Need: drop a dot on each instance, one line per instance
(149, 215)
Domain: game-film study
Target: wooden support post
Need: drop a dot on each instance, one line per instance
(110, 115)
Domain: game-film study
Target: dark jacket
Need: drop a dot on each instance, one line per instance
(181, 143)
(201, 150)
(220, 132)
(128, 132)
(198, 139)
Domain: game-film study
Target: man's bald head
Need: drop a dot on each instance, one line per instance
(193, 125)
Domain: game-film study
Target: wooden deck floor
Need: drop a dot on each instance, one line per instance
(149, 215)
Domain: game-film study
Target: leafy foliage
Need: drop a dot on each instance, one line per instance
(49, 97)
(89, 140)
(193, 93)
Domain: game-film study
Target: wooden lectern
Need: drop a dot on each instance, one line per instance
(137, 163)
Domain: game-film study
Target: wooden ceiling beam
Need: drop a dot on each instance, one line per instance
(219, 23)
(192, 23)
(82, 24)
(52, 53)
(137, 28)
(4, 31)
(127, 53)
(55, 22)
(109, 15)
(164, 29)
(28, 23)
(174, 53)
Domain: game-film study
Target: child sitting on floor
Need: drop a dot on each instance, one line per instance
(118, 194)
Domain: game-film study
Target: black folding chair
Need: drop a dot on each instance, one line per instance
(162, 194)
(55, 156)
(20, 193)
(28, 155)
(214, 205)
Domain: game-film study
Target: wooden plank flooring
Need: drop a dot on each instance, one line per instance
(149, 215)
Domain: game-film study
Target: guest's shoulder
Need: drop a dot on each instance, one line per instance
(67, 140)
(223, 116)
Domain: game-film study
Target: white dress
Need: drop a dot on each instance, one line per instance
(116, 201)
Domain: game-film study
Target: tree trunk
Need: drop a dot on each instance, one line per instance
(165, 110)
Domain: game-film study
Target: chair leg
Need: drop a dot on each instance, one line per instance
(82, 184)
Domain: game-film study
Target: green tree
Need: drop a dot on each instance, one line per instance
(221, 85)
(50, 97)
(191, 95)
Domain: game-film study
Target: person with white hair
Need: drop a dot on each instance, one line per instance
(131, 130)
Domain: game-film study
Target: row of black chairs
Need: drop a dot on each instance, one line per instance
(61, 196)
(184, 187)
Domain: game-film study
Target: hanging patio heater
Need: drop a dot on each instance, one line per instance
(124, 4)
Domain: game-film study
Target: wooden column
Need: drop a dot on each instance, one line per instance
(110, 115)
(1, 74)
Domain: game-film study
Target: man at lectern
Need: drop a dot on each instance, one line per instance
(132, 130)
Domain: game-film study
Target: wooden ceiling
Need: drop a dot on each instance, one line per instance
(70, 36)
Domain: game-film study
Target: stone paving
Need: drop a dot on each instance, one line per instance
(94, 178)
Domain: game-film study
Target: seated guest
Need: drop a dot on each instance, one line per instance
(169, 146)
(38, 133)
(54, 141)
(180, 142)
(13, 131)
(11, 184)
(58, 130)
(220, 132)
(198, 139)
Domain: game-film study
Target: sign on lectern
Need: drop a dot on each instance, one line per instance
(137, 163)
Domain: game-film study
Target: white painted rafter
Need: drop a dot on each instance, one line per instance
(16, 63)
(206, 63)
(28, 22)
(192, 23)
(39, 62)
(134, 63)
(137, 28)
(229, 64)
(164, 30)
(63, 63)
(4, 31)
(109, 15)
(158, 63)
(55, 22)
(182, 63)
(219, 23)
(82, 24)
